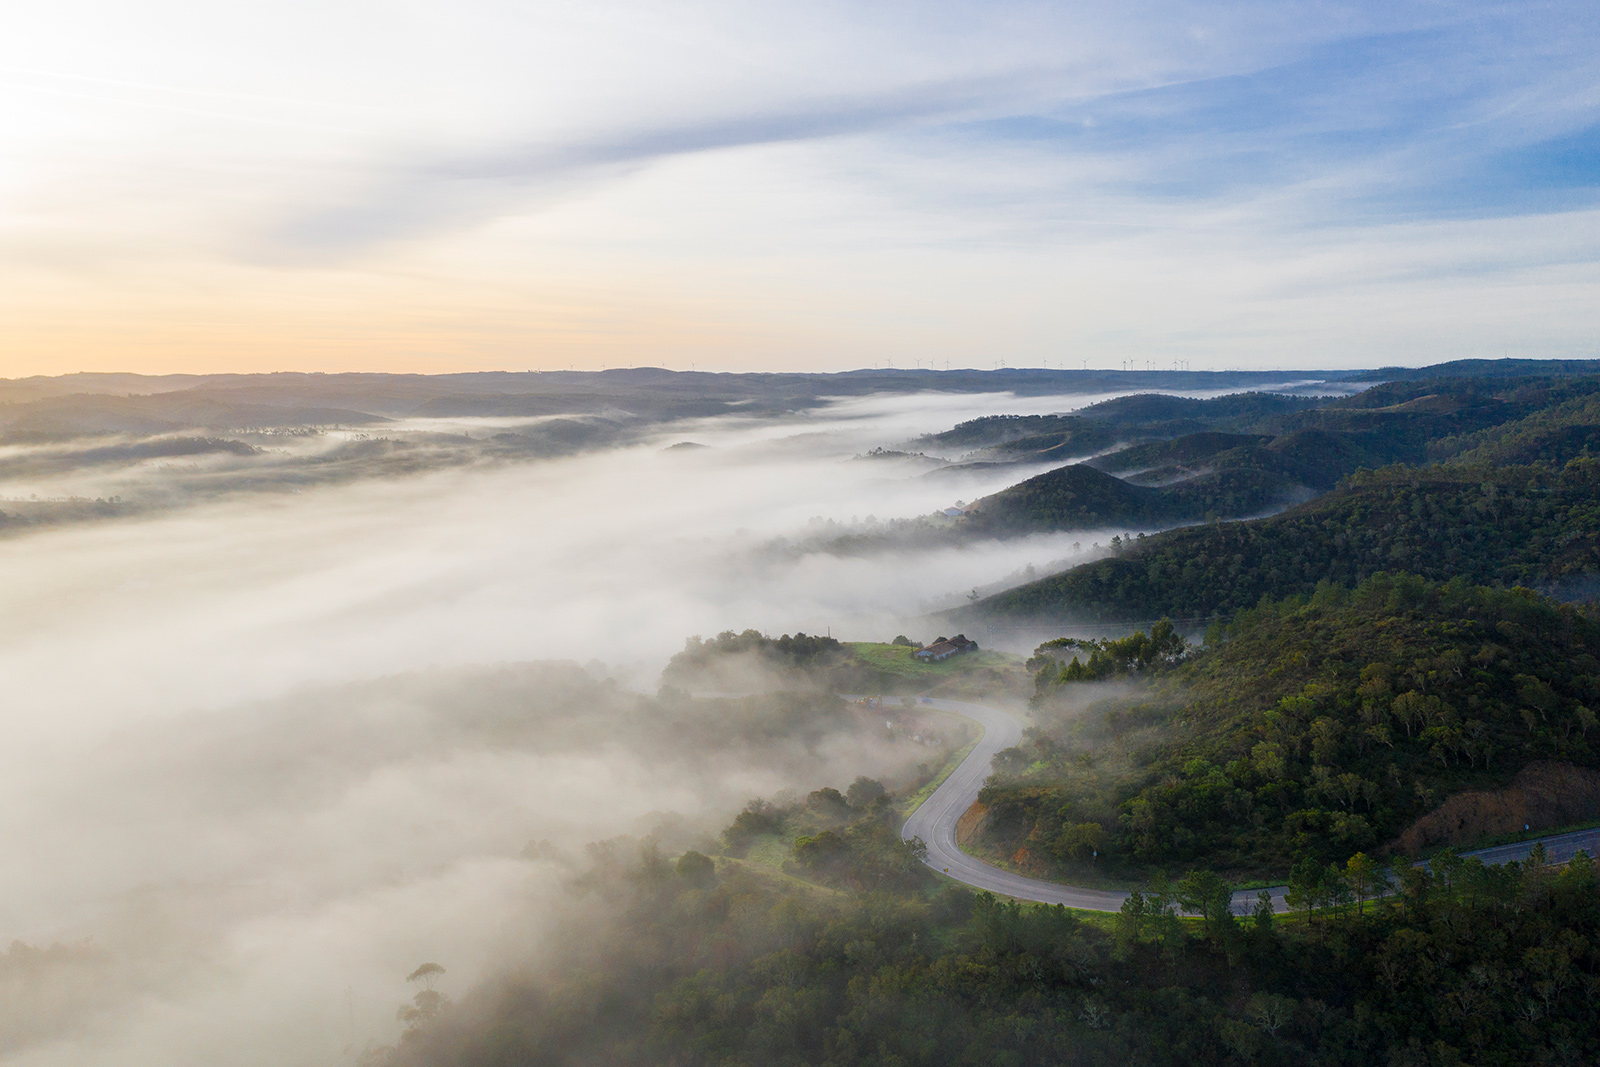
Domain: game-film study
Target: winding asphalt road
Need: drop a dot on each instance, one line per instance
(935, 820)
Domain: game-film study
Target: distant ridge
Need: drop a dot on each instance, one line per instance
(1480, 368)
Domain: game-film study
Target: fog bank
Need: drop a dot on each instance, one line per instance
(262, 755)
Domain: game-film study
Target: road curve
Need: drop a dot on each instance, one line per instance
(935, 821)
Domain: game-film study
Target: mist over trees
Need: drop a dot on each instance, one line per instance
(1491, 963)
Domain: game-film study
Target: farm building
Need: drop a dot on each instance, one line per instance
(944, 648)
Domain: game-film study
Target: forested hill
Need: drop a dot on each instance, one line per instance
(1512, 501)
(1237, 456)
(1324, 726)
(1102, 425)
(1079, 497)
(1512, 526)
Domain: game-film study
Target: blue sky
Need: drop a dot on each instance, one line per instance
(431, 186)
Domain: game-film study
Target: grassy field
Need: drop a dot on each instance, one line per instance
(968, 674)
(899, 659)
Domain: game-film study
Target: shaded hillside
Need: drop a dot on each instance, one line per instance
(1080, 497)
(1482, 368)
(1136, 418)
(1067, 497)
(1514, 526)
(1316, 459)
(1292, 448)
(1434, 418)
(1065, 444)
(992, 430)
(1507, 498)
(1564, 428)
(1324, 725)
(1319, 458)
(1235, 409)
(1191, 449)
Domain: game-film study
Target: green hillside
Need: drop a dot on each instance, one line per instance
(1526, 526)
(1320, 726)
(1080, 497)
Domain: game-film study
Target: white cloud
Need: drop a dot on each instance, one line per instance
(298, 178)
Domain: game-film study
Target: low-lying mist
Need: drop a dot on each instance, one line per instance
(266, 751)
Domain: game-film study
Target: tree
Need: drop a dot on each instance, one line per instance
(1263, 919)
(427, 974)
(1080, 841)
(428, 1002)
(863, 792)
(1335, 889)
(1161, 906)
(829, 803)
(1203, 893)
(1305, 885)
(1270, 1012)
(697, 869)
(1367, 879)
(916, 849)
(1130, 920)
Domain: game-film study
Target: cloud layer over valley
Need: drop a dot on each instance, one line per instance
(263, 754)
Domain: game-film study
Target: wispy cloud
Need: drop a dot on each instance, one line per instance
(1489, 112)
(706, 175)
(420, 194)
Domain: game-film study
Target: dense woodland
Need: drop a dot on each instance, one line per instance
(1528, 525)
(1493, 481)
(1320, 725)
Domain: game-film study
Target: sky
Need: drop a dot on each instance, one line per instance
(437, 187)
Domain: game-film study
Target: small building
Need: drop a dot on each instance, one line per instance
(944, 648)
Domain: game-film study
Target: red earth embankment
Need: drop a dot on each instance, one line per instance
(1543, 795)
(971, 823)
